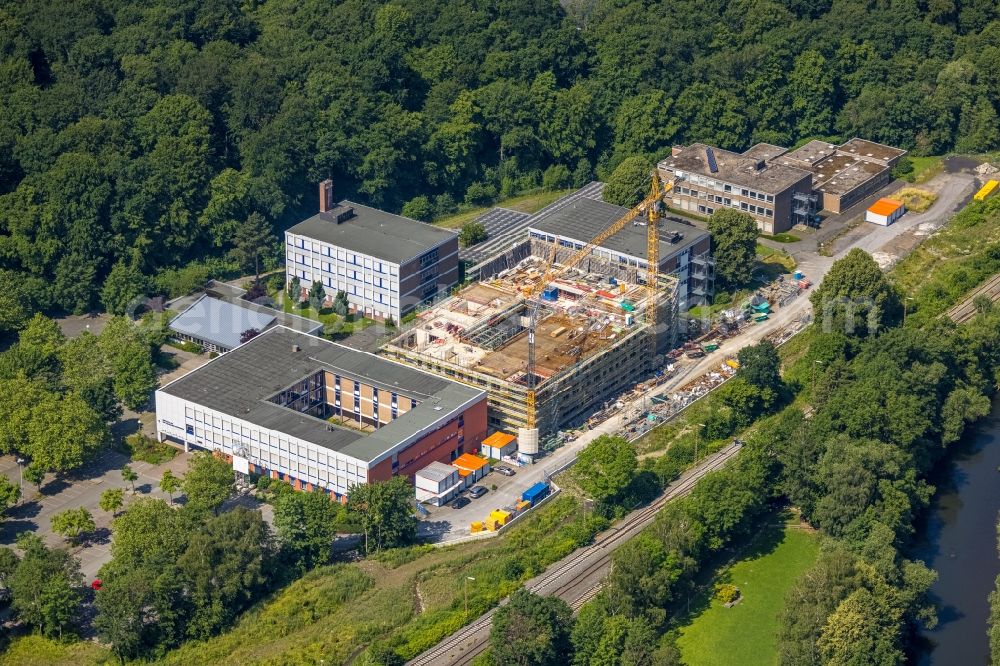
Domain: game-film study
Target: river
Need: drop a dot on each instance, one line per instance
(959, 542)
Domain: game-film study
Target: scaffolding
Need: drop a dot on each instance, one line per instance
(591, 342)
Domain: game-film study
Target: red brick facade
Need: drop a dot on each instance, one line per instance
(438, 445)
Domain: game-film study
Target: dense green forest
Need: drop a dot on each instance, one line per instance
(141, 134)
(887, 405)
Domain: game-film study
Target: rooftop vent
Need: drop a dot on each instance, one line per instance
(296, 348)
(713, 166)
(760, 165)
(343, 213)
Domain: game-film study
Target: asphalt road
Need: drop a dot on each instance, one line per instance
(576, 578)
(954, 191)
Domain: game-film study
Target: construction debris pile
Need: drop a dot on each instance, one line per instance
(658, 409)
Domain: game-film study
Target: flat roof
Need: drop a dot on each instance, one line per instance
(584, 218)
(734, 168)
(764, 151)
(885, 206)
(241, 382)
(869, 149)
(470, 462)
(373, 232)
(809, 154)
(219, 322)
(437, 471)
(499, 439)
(841, 173)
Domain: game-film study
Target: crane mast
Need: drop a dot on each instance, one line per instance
(651, 206)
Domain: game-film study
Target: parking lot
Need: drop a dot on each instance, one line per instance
(446, 523)
(81, 488)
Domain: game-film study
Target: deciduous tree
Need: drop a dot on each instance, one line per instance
(208, 482)
(734, 247)
(112, 499)
(307, 524)
(72, 523)
(629, 182)
(531, 630)
(856, 298)
(605, 467)
(170, 483)
(45, 587)
(385, 511)
(10, 494)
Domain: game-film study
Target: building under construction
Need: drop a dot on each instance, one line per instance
(592, 341)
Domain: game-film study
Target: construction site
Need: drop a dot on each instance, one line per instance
(551, 340)
(587, 336)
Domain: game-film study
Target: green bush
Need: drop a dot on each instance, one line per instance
(148, 449)
(186, 345)
(727, 593)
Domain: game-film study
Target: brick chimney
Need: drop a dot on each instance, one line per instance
(326, 196)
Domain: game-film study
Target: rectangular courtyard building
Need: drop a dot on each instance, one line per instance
(318, 414)
(385, 264)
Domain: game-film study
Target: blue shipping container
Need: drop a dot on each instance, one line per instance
(550, 294)
(536, 493)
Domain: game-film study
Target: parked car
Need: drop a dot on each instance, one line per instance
(459, 502)
(506, 471)
(475, 492)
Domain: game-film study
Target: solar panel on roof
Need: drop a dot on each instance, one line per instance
(713, 166)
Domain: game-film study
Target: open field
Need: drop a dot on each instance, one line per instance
(746, 633)
(915, 199)
(527, 203)
(953, 261)
(39, 651)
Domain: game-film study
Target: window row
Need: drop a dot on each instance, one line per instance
(342, 255)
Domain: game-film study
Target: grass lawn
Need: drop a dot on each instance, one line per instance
(774, 262)
(782, 238)
(746, 633)
(350, 324)
(925, 168)
(526, 203)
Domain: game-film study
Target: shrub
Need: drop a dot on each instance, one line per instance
(480, 194)
(419, 208)
(727, 593)
(148, 449)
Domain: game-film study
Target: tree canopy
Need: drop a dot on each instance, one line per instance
(531, 630)
(138, 139)
(734, 247)
(856, 297)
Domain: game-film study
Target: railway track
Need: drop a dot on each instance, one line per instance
(966, 310)
(578, 577)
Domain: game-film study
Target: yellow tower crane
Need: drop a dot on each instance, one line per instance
(650, 206)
